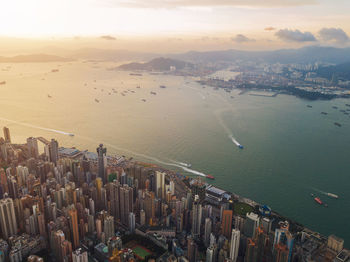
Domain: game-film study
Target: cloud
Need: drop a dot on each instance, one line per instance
(270, 28)
(333, 35)
(295, 35)
(108, 37)
(241, 39)
(188, 3)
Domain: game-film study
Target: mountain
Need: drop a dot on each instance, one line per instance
(157, 64)
(341, 71)
(34, 58)
(309, 54)
(110, 55)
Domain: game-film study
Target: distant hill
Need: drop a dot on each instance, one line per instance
(157, 64)
(309, 54)
(341, 71)
(35, 58)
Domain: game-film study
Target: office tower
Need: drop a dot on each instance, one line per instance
(108, 227)
(7, 135)
(196, 217)
(226, 223)
(192, 249)
(160, 187)
(142, 217)
(234, 248)
(284, 237)
(266, 224)
(73, 223)
(210, 255)
(114, 189)
(250, 253)
(126, 203)
(250, 225)
(131, 222)
(207, 231)
(101, 152)
(32, 145)
(79, 256)
(8, 220)
(53, 151)
(280, 253)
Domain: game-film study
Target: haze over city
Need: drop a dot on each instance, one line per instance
(174, 130)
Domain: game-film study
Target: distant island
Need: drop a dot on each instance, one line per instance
(33, 58)
(157, 64)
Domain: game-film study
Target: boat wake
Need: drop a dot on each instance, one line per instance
(37, 127)
(187, 169)
(181, 163)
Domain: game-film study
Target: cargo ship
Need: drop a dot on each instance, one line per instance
(318, 200)
(210, 177)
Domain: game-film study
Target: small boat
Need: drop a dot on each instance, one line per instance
(332, 195)
(55, 70)
(312, 195)
(324, 113)
(210, 177)
(334, 107)
(347, 105)
(161, 86)
(2, 82)
(309, 106)
(318, 200)
(97, 101)
(144, 100)
(337, 124)
(138, 87)
(232, 97)
(70, 134)
(153, 93)
(49, 96)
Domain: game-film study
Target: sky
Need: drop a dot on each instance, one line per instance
(249, 24)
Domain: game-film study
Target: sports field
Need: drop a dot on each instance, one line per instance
(141, 252)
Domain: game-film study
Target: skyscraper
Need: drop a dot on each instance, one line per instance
(7, 135)
(250, 225)
(226, 223)
(108, 227)
(207, 231)
(53, 151)
(32, 145)
(8, 220)
(73, 215)
(160, 190)
(101, 152)
(131, 222)
(234, 248)
(79, 256)
(196, 217)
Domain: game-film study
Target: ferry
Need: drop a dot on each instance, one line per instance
(210, 177)
(332, 195)
(318, 200)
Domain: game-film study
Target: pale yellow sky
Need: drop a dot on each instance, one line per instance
(226, 23)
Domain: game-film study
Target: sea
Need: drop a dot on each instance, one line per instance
(290, 151)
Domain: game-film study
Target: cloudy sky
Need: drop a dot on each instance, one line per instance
(255, 23)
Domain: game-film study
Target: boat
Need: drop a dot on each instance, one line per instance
(343, 111)
(2, 82)
(49, 96)
(138, 87)
(312, 194)
(318, 200)
(332, 195)
(210, 177)
(324, 113)
(135, 74)
(337, 124)
(334, 107)
(185, 164)
(309, 106)
(55, 70)
(347, 105)
(96, 100)
(232, 97)
(70, 134)
(153, 93)
(144, 100)
(161, 86)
